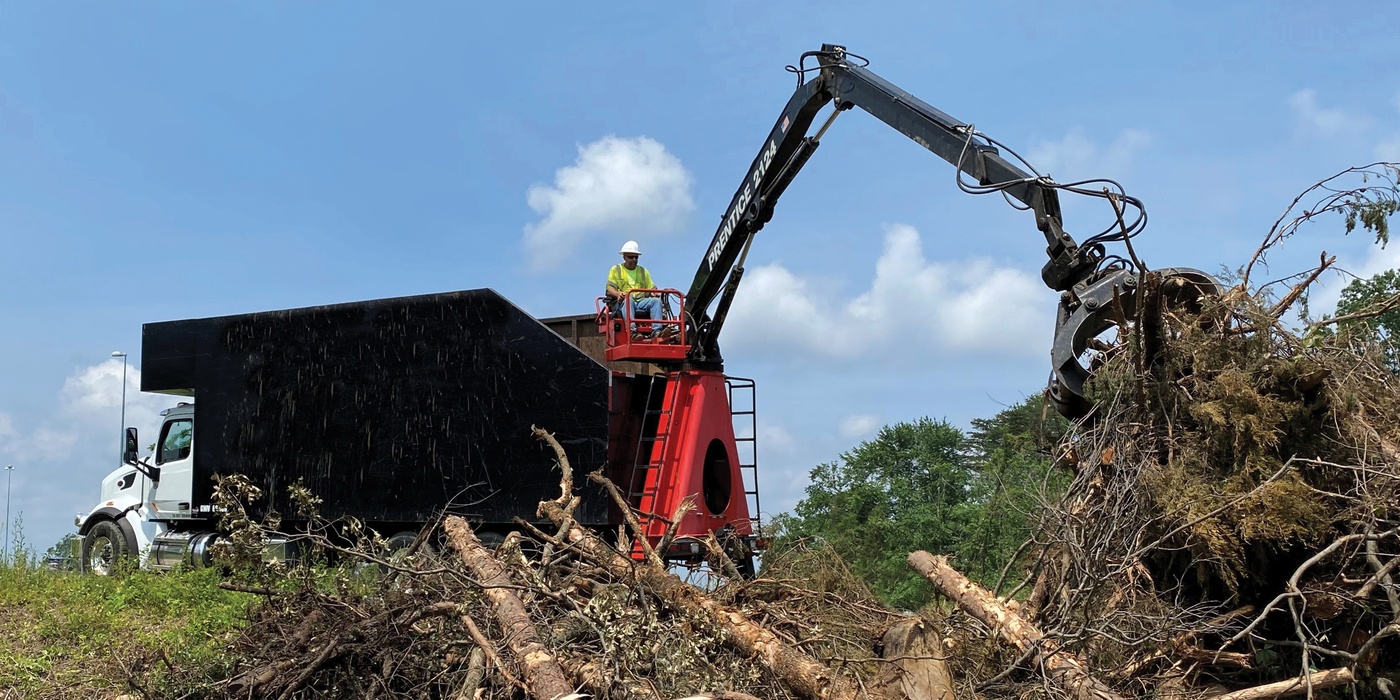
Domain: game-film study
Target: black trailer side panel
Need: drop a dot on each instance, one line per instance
(388, 409)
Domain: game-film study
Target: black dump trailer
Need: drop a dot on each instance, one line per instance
(389, 410)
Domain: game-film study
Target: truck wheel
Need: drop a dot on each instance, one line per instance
(491, 539)
(399, 544)
(104, 547)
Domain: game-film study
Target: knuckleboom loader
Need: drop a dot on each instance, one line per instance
(1095, 288)
(393, 411)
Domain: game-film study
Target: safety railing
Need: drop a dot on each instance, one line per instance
(630, 337)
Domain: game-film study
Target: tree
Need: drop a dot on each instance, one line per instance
(907, 489)
(1372, 304)
(66, 550)
(1011, 463)
(926, 485)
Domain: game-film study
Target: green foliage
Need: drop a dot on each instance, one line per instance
(1010, 458)
(1380, 329)
(907, 489)
(926, 485)
(19, 550)
(66, 550)
(65, 634)
(1372, 211)
(1365, 196)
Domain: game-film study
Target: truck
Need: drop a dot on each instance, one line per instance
(396, 410)
(391, 411)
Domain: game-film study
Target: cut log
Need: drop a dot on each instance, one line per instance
(918, 668)
(721, 695)
(1330, 678)
(1062, 667)
(543, 676)
(476, 672)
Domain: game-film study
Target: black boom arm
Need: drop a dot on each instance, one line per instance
(841, 79)
(788, 148)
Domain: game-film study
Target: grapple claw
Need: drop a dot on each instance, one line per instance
(1101, 303)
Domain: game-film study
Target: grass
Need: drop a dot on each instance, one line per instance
(66, 635)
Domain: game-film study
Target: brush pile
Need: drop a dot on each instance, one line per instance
(1234, 520)
(551, 614)
(1233, 527)
(1232, 531)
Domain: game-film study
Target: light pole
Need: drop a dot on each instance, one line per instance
(9, 474)
(121, 433)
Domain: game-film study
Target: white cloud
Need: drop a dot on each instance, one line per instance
(1379, 260)
(776, 437)
(625, 187)
(1327, 122)
(49, 444)
(858, 426)
(775, 305)
(1076, 157)
(96, 389)
(88, 418)
(963, 307)
(1389, 148)
(60, 454)
(92, 398)
(9, 437)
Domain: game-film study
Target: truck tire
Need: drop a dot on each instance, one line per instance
(399, 544)
(104, 549)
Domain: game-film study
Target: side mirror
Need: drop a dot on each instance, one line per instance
(132, 446)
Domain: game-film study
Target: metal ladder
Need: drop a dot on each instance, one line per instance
(746, 417)
(651, 450)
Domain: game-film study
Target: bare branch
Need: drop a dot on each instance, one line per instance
(1369, 312)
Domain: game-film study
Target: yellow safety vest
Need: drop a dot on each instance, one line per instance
(625, 280)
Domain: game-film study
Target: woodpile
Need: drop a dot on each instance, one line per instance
(1231, 530)
(566, 614)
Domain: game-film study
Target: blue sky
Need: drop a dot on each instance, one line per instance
(165, 161)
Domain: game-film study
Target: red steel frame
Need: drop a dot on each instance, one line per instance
(617, 330)
(693, 453)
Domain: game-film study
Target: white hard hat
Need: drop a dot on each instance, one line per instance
(630, 247)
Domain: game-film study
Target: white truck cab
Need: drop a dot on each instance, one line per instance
(143, 503)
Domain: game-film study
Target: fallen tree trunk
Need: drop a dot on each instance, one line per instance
(800, 672)
(1064, 669)
(721, 695)
(1316, 681)
(805, 675)
(543, 676)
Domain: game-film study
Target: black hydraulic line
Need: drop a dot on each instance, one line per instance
(788, 148)
(956, 143)
(1072, 268)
